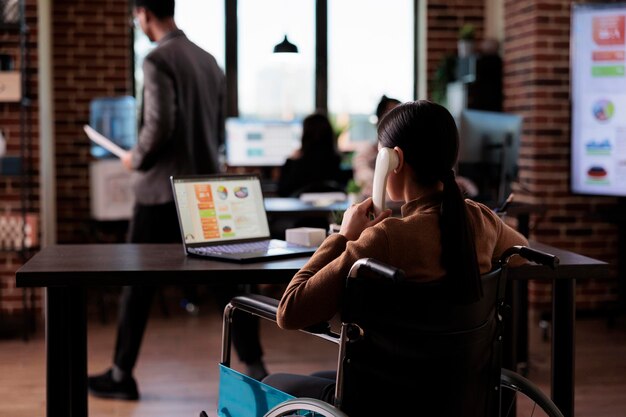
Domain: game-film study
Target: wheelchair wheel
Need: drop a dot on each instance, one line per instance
(522, 398)
(308, 405)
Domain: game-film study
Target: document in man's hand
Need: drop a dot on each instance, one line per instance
(103, 141)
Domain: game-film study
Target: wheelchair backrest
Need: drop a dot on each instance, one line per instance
(416, 352)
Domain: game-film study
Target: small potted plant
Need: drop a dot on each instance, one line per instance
(353, 190)
(467, 35)
(335, 222)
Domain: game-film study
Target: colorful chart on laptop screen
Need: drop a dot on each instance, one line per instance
(222, 208)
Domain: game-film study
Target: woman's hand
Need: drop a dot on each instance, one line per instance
(357, 218)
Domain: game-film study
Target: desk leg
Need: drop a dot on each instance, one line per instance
(66, 352)
(563, 322)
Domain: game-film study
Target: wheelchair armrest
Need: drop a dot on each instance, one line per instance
(267, 307)
(259, 305)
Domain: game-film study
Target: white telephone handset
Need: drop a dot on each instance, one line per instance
(386, 161)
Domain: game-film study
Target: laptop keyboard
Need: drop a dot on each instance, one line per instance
(260, 246)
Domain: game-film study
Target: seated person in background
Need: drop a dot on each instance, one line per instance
(440, 235)
(364, 159)
(315, 166)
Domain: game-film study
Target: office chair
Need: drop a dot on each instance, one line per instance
(404, 349)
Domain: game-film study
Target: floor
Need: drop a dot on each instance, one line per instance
(177, 370)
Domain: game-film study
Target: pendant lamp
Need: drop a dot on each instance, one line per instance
(286, 47)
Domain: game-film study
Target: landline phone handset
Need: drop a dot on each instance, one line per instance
(386, 161)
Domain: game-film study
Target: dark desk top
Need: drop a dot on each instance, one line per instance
(140, 264)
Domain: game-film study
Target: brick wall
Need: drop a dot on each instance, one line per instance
(91, 58)
(537, 86)
(17, 191)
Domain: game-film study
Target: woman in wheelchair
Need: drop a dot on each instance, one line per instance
(440, 236)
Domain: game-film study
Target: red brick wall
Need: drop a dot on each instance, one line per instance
(537, 86)
(92, 58)
(11, 187)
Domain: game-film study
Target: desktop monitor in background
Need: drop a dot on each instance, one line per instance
(488, 153)
(261, 142)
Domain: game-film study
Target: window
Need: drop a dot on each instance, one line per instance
(370, 53)
(276, 86)
(203, 23)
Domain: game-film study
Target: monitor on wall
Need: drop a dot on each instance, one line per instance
(598, 91)
(261, 142)
(488, 151)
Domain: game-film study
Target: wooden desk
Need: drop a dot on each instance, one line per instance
(67, 270)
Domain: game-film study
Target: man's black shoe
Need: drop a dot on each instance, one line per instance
(104, 386)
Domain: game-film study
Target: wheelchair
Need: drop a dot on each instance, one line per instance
(404, 349)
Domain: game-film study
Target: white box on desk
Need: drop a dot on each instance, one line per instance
(305, 236)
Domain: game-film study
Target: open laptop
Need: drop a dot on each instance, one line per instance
(223, 217)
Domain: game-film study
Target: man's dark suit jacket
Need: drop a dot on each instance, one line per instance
(182, 120)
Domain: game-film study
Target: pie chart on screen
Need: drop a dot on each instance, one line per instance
(603, 110)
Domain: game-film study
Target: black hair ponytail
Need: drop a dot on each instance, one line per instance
(458, 248)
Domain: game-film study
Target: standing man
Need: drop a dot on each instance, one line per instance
(181, 129)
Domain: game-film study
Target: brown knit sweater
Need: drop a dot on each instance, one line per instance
(412, 243)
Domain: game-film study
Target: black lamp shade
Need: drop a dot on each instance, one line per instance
(286, 47)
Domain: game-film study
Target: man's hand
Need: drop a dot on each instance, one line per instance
(127, 160)
(357, 218)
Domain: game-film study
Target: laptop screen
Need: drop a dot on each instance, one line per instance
(217, 209)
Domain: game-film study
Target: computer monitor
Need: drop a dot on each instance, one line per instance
(261, 142)
(489, 148)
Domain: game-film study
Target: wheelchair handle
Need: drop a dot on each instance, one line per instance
(533, 255)
(373, 268)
